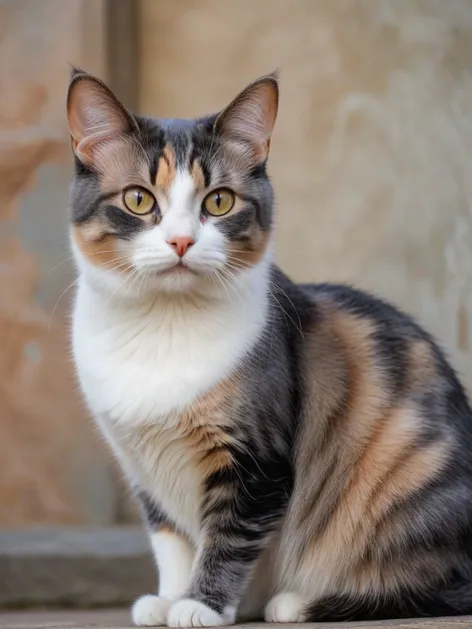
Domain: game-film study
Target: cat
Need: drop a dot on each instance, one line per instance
(300, 452)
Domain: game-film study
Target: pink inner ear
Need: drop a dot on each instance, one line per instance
(87, 148)
(94, 116)
(94, 148)
(253, 117)
(250, 118)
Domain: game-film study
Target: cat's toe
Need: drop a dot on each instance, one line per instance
(190, 613)
(150, 611)
(285, 607)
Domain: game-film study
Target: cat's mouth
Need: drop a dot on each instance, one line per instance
(178, 269)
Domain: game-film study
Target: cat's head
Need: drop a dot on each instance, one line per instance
(170, 205)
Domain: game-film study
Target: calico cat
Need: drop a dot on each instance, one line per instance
(301, 453)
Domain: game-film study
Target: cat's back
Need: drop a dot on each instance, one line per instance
(385, 345)
(401, 345)
(350, 339)
(364, 305)
(383, 446)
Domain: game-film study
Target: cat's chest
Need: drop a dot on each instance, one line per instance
(141, 373)
(137, 386)
(162, 462)
(136, 371)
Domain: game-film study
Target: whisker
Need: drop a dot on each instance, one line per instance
(216, 274)
(241, 264)
(114, 268)
(293, 305)
(235, 282)
(282, 310)
(237, 265)
(135, 277)
(93, 253)
(126, 279)
(251, 253)
(58, 265)
(57, 302)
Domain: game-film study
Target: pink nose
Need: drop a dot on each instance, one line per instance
(180, 244)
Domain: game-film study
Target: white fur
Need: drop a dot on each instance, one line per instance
(190, 613)
(150, 611)
(141, 364)
(174, 557)
(285, 607)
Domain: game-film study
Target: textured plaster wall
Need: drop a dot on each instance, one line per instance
(371, 161)
(372, 155)
(52, 468)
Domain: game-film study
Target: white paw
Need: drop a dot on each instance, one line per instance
(190, 613)
(150, 611)
(285, 607)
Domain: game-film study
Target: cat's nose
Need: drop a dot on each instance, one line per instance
(180, 244)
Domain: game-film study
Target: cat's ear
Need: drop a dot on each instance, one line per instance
(95, 115)
(250, 117)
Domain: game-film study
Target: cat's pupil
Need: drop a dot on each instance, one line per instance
(139, 198)
(218, 199)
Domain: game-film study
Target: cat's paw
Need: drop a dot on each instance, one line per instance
(150, 611)
(285, 607)
(190, 613)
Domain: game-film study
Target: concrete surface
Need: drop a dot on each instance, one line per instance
(119, 619)
(105, 568)
(74, 567)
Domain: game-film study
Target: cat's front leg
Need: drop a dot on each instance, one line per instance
(243, 504)
(174, 556)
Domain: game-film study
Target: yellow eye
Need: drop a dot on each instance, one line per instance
(139, 200)
(219, 202)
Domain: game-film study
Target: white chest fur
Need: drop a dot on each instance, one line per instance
(140, 366)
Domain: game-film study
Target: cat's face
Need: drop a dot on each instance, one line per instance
(170, 205)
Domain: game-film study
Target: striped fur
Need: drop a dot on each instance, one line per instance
(300, 452)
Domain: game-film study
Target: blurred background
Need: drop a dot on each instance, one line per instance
(371, 161)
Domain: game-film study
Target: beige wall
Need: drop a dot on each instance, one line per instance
(371, 158)
(52, 469)
(371, 162)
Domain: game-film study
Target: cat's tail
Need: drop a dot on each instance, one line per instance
(455, 599)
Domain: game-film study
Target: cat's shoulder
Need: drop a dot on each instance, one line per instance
(363, 304)
(322, 298)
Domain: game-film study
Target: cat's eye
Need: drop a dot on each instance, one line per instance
(219, 202)
(138, 200)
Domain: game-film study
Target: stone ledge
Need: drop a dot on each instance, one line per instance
(119, 619)
(74, 567)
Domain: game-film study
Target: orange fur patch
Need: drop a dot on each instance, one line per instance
(370, 458)
(367, 398)
(390, 468)
(166, 169)
(198, 176)
(100, 248)
(166, 529)
(203, 427)
(422, 367)
(245, 255)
